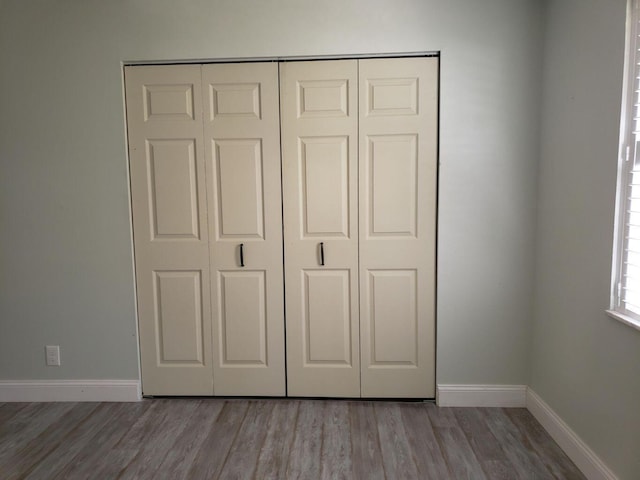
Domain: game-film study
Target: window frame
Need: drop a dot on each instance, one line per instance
(628, 155)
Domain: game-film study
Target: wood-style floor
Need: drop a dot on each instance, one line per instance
(275, 439)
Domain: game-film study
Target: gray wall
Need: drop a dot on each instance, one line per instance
(585, 364)
(66, 259)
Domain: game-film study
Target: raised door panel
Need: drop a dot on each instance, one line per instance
(324, 166)
(327, 318)
(242, 135)
(238, 179)
(179, 317)
(323, 98)
(164, 121)
(319, 149)
(243, 329)
(391, 96)
(398, 171)
(174, 193)
(168, 102)
(391, 306)
(393, 164)
(235, 99)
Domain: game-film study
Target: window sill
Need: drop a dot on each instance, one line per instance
(632, 322)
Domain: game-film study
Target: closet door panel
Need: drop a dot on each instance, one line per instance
(164, 119)
(393, 167)
(174, 196)
(394, 331)
(398, 172)
(324, 168)
(179, 316)
(319, 148)
(327, 325)
(243, 316)
(239, 178)
(241, 142)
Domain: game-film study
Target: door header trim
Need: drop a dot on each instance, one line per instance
(280, 59)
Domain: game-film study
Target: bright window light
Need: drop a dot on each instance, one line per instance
(625, 288)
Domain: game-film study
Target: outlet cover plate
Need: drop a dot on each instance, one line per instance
(53, 355)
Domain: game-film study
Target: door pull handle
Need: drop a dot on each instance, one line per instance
(322, 254)
(242, 254)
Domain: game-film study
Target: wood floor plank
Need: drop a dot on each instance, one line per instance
(26, 458)
(461, 461)
(424, 447)
(443, 417)
(274, 455)
(159, 440)
(8, 410)
(31, 415)
(74, 442)
(214, 449)
(396, 454)
(99, 455)
(459, 456)
(365, 442)
(26, 425)
(181, 455)
(521, 455)
(304, 457)
(336, 458)
(556, 461)
(493, 459)
(244, 453)
(127, 448)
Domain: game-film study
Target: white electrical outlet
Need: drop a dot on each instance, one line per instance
(53, 355)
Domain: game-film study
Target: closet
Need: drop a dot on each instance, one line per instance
(303, 191)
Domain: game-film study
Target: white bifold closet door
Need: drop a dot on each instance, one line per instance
(242, 151)
(320, 191)
(397, 179)
(359, 146)
(171, 236)
(358, 174)
(205, 178)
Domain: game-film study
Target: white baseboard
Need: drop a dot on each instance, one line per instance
(481, 395)
(579, 452)
(70, 391)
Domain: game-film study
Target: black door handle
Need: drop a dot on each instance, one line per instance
(242, 254)
(322, 253)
